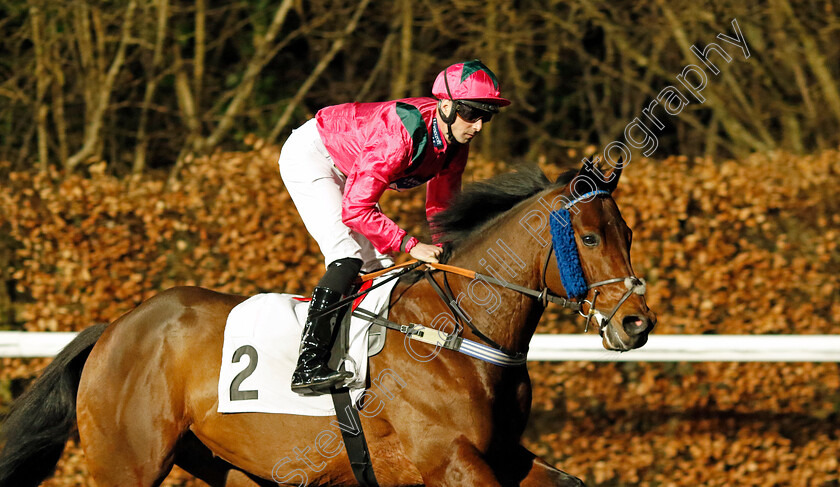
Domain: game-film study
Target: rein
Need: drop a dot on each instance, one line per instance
(406, 268)
(633, 284)
(492, 352)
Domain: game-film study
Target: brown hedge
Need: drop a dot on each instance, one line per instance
(728, 247)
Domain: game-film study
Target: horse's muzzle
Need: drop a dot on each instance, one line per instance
(633, 332)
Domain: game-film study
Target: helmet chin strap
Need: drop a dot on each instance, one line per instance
(448, 119)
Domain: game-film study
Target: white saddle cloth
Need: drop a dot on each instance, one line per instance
(261, 343)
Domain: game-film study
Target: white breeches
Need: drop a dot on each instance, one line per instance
(316, 187)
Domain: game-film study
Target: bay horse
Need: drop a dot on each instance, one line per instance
(142, 391)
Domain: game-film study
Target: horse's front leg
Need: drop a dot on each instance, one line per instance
(541, 474)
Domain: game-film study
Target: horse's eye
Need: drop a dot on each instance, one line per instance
(590, 240)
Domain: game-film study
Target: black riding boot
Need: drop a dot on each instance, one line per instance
(312, 375)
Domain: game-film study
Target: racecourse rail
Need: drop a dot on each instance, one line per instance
(579, 347)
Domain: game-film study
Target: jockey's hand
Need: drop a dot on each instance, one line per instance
(425, 252)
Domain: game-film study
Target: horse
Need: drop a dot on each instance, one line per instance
(142, 391)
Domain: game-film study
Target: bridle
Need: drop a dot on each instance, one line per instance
(633, 284)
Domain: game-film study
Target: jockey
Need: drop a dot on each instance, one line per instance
(337, 166)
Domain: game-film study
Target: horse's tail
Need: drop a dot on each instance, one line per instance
(41, 420)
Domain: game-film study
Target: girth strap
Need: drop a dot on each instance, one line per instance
(354, 437)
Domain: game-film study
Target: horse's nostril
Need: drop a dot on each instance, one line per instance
(634, 325)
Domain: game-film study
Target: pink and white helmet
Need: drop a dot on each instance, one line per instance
(471, 80)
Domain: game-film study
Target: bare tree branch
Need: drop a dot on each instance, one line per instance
(377, 68)
(400, 84)
(42, 82)
(814, 57)
(337, 45)
(200, 50)
(93, 133)
(245, 87)
(151, 86)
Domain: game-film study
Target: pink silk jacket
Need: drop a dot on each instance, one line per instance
(389, 145)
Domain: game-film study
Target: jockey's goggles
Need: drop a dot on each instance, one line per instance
(473, 111)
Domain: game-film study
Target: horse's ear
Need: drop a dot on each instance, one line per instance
(614, 176)
(606, 182)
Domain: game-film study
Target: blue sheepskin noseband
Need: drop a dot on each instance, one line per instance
(563, 239)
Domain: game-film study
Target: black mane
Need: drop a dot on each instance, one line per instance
(482, 201)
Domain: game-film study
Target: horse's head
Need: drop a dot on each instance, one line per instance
(591, 243)
(579, 243)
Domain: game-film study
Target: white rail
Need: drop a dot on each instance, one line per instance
(33, 343)
(692, 348)
(554, 348)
